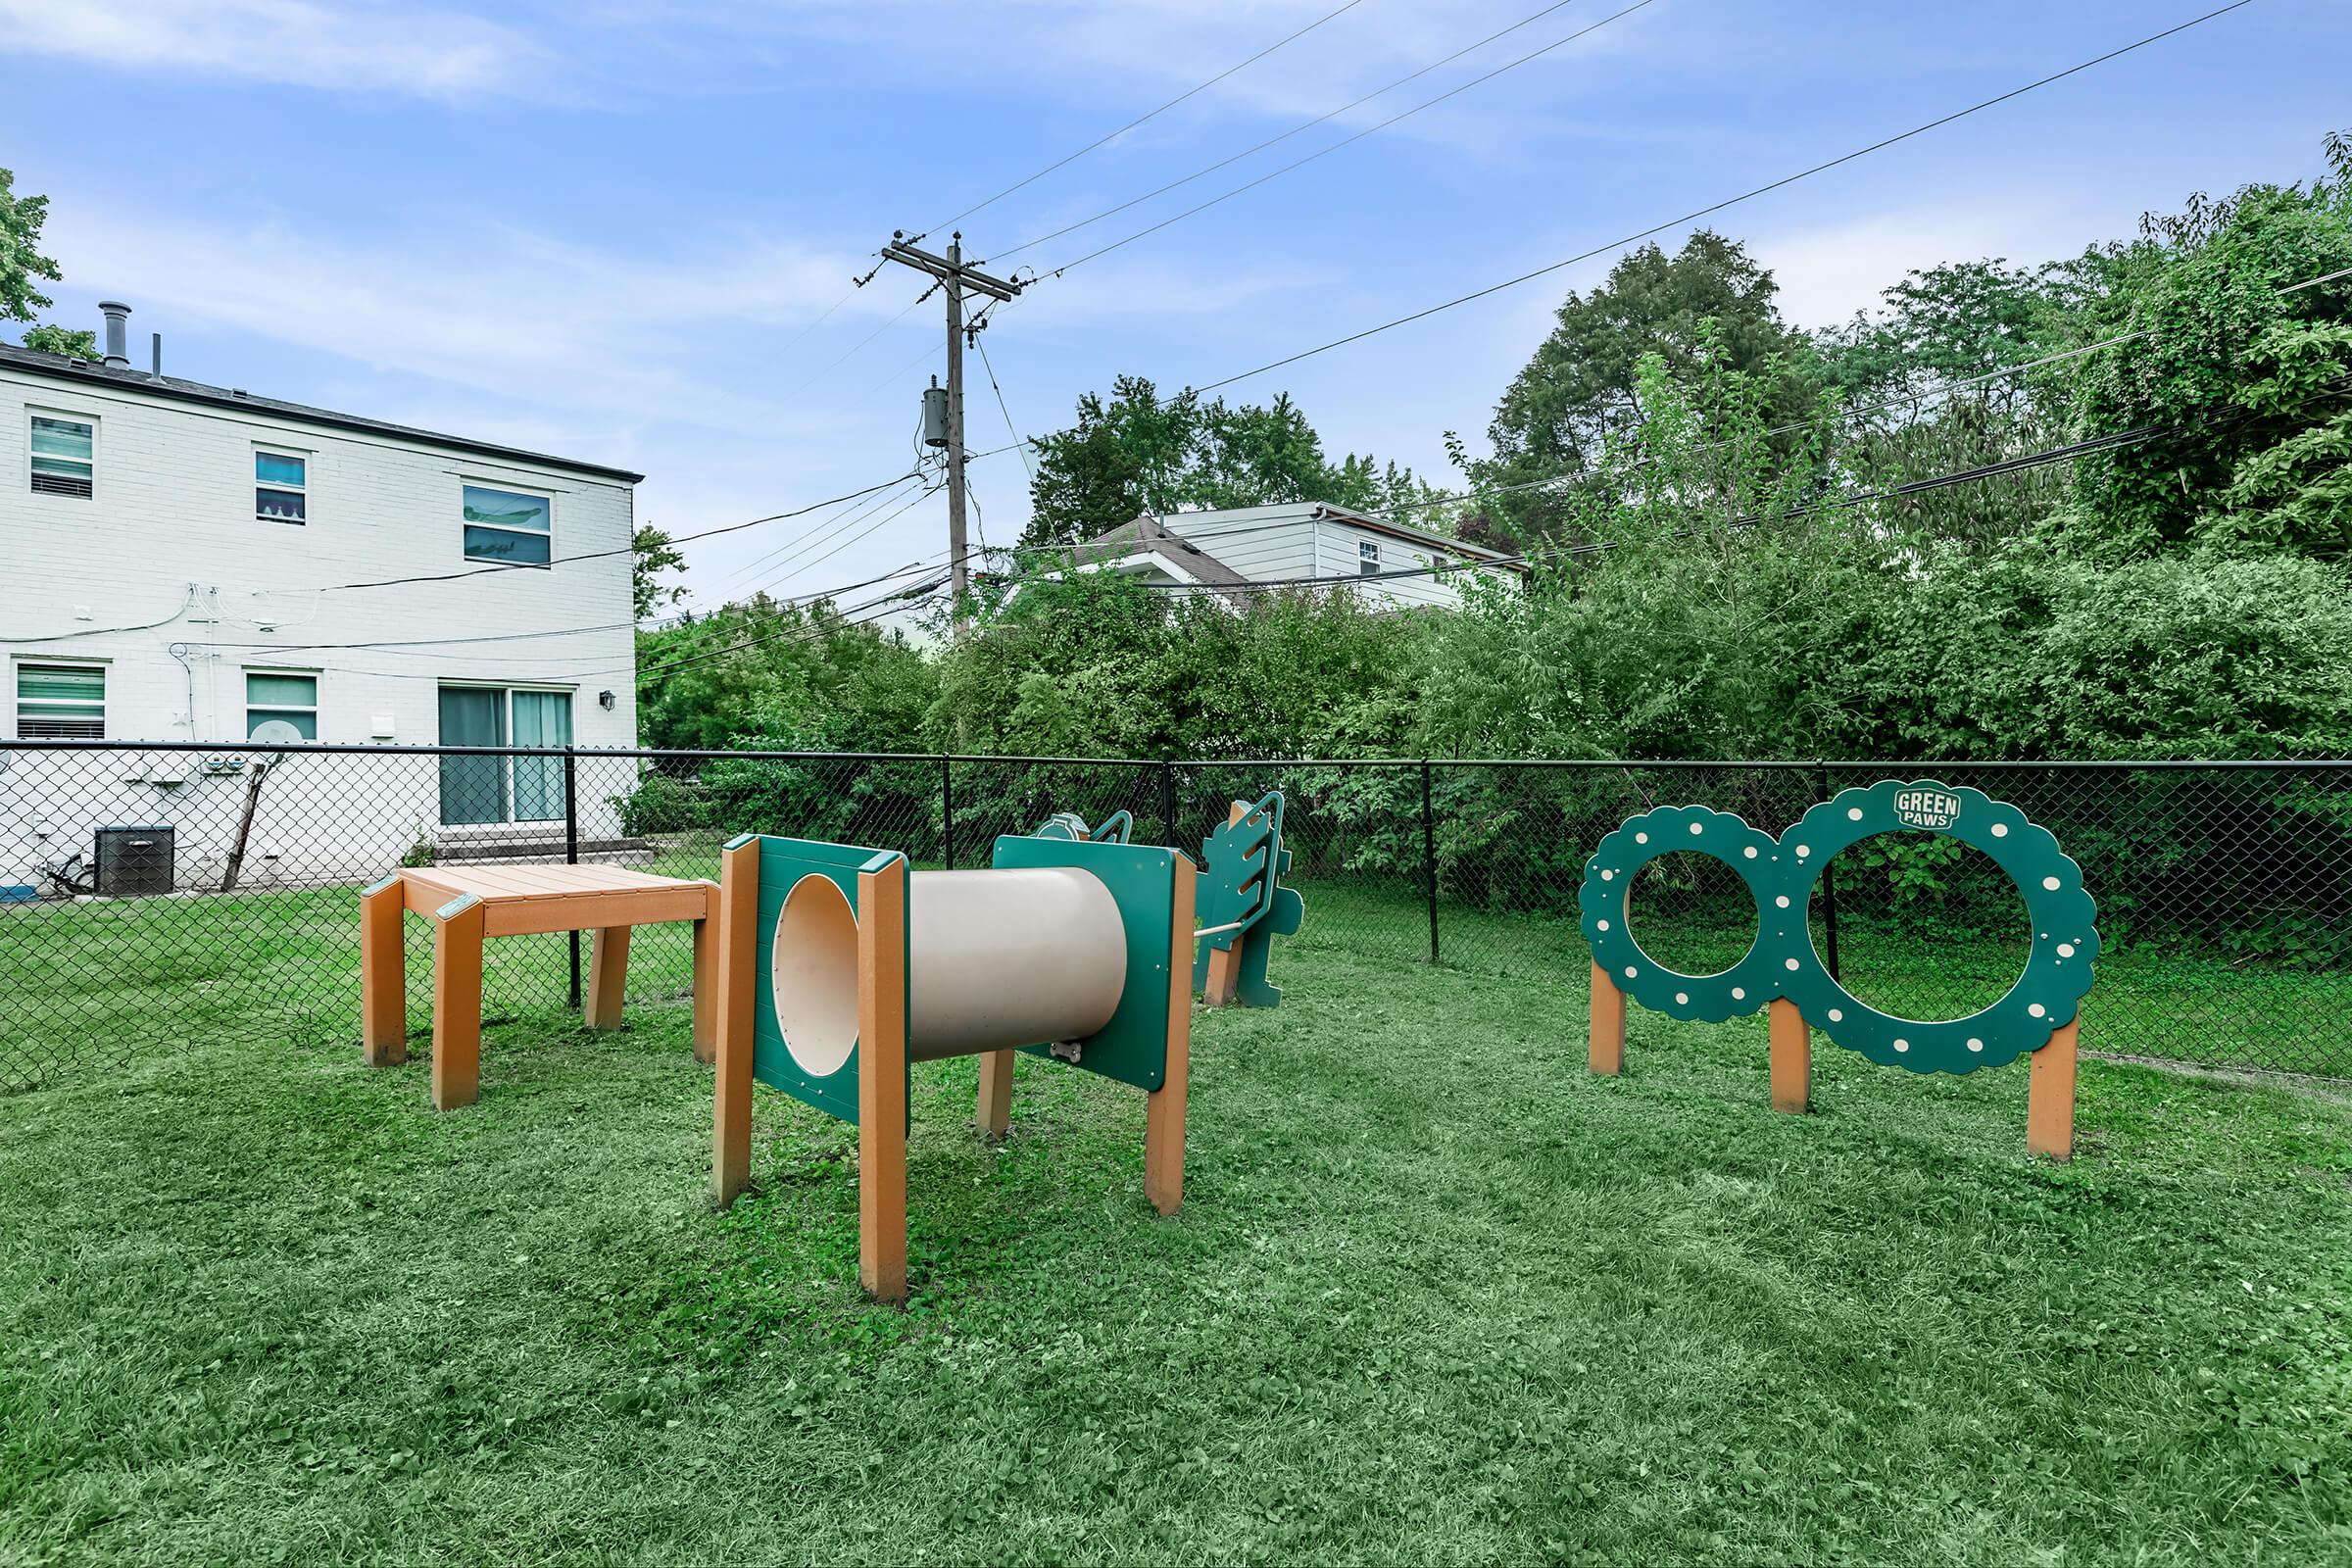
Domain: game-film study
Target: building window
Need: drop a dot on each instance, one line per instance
(506, 525)
(61, 702)
(65, 454)
(503, 789)
(281, 487)
(1367, 558)
(287, 699)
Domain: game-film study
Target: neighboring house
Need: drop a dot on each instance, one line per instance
(175, 556)
(1246, 546)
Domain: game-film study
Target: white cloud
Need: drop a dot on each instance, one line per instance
(385, 48)
(1826, 273)
(1097, 66)
(495, 308)
(1112, 290)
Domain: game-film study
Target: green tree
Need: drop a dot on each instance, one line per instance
(795, 675)
(1096, 664)
(654, 556)
(1581, 389)
(1124, 456)
(1924, 396)
(1946, 325)
(2241, 370)
(65, 341)
(23, 269)
(1678, 625)
(1140, 452)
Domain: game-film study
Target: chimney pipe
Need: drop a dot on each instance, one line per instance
(156, 364)
(117, 333)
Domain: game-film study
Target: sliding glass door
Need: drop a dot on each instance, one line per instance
(501, 789)
(541, 719)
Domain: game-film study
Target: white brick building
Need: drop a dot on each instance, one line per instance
(177, 562)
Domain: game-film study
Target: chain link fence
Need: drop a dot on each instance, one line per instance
(155, 896)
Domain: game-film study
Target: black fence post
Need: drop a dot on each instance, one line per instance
(571, 849)
(947, 810)
(1829, 895)
(1429, 859)
(1167, 802)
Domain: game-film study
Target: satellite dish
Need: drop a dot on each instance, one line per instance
(276, 732)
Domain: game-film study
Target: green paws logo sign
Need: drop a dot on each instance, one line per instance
(1933, 809)
(1780, 874)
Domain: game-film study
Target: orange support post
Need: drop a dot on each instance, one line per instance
(2050, 1097)
(384, 975)
(456, 1002)
(1607, 1051)
(1164, 1108)
(1791, 1058)
(608, 976)
(882, 1081)
(737, 918)
(706, 984)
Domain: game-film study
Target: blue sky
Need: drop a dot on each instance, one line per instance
(605, 229)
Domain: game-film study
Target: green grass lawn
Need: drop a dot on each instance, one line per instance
(84, 985)
(2148, 1002)
(1437, 1295)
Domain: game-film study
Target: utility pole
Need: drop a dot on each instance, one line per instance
(956, 276)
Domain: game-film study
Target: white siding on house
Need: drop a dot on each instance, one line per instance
(1262, 543)
(1337, 555)
(169, 537)
(1300, 541)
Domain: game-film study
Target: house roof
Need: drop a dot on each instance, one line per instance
(1190, 552)
(85, 374)
(1418, 536)
(1148, 536)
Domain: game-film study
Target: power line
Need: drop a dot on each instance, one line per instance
(1717, 206)
(1303, 126)
(419, 647)
(1011, 428)
(862, 615)
(624, 550)
(435, 642)
(1934, 395)
(920, 355)
(1113, 137)
(410, 651)
(1528, 558)
(857, 348)
(871, 610)
(186, 599)
(789, 548)
(880, 523)
(2315, 282)
(1325, 152)
(829, 534)
(1450, 497)
(852, 618)
(1987, 470)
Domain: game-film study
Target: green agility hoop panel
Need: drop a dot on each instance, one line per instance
(1781, 962)
(1132, 1047)
(1608, 884)
(783, 863)
(2057, 972)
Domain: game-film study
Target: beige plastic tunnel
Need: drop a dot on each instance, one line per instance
(993, 959)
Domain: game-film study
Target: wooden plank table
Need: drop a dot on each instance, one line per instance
(467, 904)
